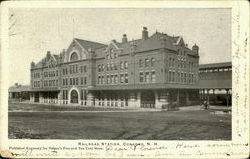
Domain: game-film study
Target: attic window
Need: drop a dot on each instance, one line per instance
(74, 56)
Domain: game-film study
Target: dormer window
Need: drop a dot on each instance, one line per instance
(74, 56)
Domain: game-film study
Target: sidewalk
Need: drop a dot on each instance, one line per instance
(211, 107)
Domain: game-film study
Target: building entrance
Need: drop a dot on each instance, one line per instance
(74, 96)
(147, 99)
(36, 97)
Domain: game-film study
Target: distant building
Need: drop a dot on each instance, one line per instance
(19, 92)
(149, 72)
(215, 81)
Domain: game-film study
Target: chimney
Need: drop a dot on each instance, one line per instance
(144, 33)
(195, 48)
(124, 38)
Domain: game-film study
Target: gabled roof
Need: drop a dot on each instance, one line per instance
(89, 44)
(153, 42)
(46, 59)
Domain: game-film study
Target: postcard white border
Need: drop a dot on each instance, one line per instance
(237, 148)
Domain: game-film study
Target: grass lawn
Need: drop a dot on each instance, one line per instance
(164, 125)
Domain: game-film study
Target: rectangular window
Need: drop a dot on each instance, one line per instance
(99, 80)
(107, 67)
(103, 81)
(85, 68)
(85, 80)
(107, 79)
(81, 68)
(115, 66)
(70, 69)
(126, 77)
(169, 76)
(116, 78)
(140, 63)
(111, 79)
(141, 77)
(147, 78)
(121, 78)
(76, 68)
(76, 81)
(153, 79)
(99, 68)
(82, 80)
(181, 77)
(173, 77)
(111, 67)
(146, 62)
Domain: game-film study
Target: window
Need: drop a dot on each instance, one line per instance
(99, 68)
(85, 80)
(169, 76)
(108, 79)
(153, 76)
(173, 77)
(111, 79)
(121, 66)
(126, 77)
(74, 56)
(111, 54)
(140, 63)
(185, 77)
(107, 67)
(125, 64)
(170, 62)
(99, 80)
(76, 81)
(147, 78)
(115, 66)
(102, 81)
(76, 68)
(103, 67)
(153, 62)
(178, 77)
(116, 79)
(111, 67)
(146, 62)
(121, 78)
(141, 77)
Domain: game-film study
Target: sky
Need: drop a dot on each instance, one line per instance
(39, 30)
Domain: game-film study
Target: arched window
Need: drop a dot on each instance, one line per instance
(74, 56)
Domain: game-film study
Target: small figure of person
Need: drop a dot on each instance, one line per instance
(205, 104)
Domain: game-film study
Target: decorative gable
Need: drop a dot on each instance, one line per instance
(75, 52)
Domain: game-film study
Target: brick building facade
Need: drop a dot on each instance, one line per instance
(150, 72)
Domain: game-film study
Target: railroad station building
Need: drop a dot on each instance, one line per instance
(150, 72)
